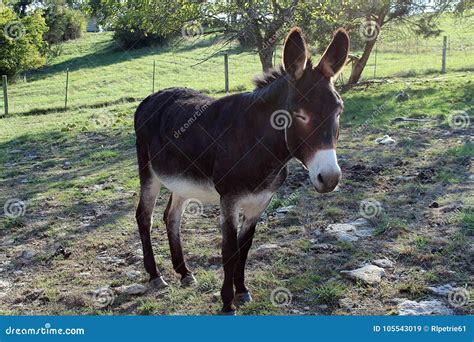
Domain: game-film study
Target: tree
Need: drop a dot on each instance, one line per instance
(372, 15)
(258, 24)
(21, 41)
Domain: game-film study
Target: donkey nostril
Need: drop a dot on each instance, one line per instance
(320, 178)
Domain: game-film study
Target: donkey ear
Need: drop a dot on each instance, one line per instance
(295, 53)
(335, 56)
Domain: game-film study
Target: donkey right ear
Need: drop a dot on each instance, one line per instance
(295, 54)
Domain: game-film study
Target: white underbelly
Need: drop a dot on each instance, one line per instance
(186, 188)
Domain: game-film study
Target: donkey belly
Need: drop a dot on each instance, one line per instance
(189, 188)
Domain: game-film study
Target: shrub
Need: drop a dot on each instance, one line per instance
(63, 23)
(21, 41)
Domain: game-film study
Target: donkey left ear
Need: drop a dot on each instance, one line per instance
(335, 56)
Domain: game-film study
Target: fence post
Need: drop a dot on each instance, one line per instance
(67, 85)
(226, 72)
(5, 93)
(153, 87)
(443, 62)
(375, 62)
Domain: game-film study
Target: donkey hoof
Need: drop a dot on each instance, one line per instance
(242, 298)
(188, 280)
(158, 283)
(231, 312)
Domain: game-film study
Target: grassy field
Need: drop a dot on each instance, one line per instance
(75, 170)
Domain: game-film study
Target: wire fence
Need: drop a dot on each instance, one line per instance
(100, 80)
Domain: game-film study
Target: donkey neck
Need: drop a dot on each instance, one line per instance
(266, 101)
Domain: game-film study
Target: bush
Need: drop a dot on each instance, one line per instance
(129, 35)
(64, 24)
(21, 41)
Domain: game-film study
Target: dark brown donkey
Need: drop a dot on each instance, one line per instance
(234, 150)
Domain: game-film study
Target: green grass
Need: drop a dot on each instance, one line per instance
(76, 170)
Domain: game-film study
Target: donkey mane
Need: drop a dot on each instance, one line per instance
(273, 74)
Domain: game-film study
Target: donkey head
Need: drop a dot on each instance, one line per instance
(315, 106)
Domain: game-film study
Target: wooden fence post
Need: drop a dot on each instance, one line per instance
(5, 93)
(226, 72)
(443, 61)
(67, 85)
(153, 86)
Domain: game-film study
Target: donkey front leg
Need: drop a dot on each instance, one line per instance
(230, 251)
(172, 218)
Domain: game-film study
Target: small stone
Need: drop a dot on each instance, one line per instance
(4, 284)
(324, 247)
(18, 273)
(369, 274)
(132, 275)
(66, 165)
(442, 290)
(434, 205)
(266, 248)
(384, 263)
(426, 307)
(27, 254)
(134, 289)
(351, 231)
(385, 140)
(285, 210)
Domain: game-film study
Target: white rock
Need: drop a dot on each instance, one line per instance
(426, 307)
(134, 289)
(27, 254)
(4, 284)
(442, 290)
(385, 140)
(384, 263)
(284, 210)
(351, 231)
(267, 247)
(369, 274)
(132, 275)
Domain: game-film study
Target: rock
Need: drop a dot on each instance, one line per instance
(384, 263)
(285, 210)
(426, 307)
(405, 178)
(402, 96)
(266, 248)
(4, 284)
(66, 165)
(442, 290)
(27, 254)
(369, 274)
(134, 289)
(385, 140)
(18, 273)
(324, 247)
(132, 275)
(351, 231)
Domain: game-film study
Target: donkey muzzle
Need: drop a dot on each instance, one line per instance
(324, 171)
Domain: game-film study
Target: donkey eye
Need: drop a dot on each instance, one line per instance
(301, 116)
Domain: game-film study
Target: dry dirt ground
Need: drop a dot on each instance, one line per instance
(72, 247)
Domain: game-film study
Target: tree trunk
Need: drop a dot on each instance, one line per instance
(359, 66)
(266, 58)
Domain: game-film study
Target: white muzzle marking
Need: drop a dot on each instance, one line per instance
(324, 171)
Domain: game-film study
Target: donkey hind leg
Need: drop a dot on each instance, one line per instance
(172, 219)
(149, 190)
(252, 212)
(230, 252)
